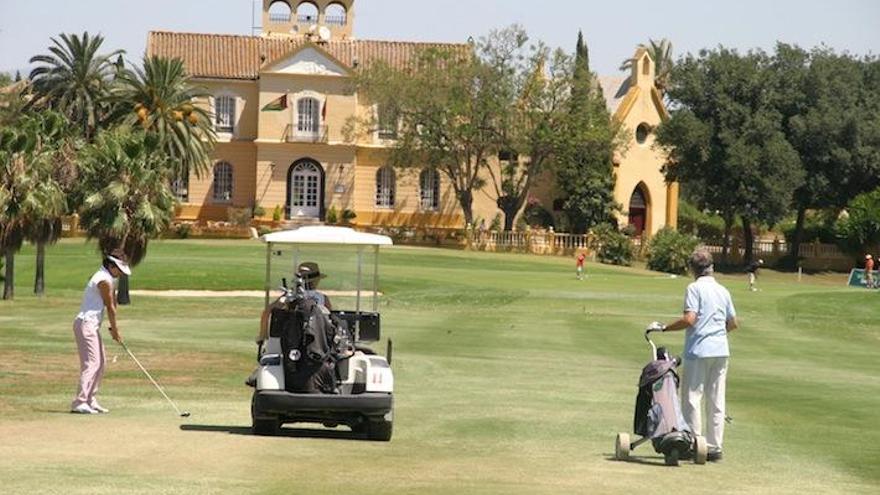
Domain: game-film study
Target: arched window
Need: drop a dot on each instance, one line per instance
(279, 12)
(307, 12)
(222, 182)
(385, 186)
(224, 114)
(429, 189)
(335, 14)
(646, 66)
(308, 118)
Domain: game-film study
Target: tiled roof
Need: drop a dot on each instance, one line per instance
(614, 88)
(240, 57)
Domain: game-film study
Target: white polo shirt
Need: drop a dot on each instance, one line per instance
(713, 306)
(92, 307)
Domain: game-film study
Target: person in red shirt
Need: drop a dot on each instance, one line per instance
(869, 271)
(580, 265)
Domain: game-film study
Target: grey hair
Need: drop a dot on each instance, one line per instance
(701, 263)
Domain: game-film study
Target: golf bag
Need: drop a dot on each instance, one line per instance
(658, 411)
(307, 342)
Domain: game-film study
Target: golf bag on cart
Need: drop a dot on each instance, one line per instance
(658, 416)
(310, 341)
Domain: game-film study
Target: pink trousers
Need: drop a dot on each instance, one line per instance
(91, 360)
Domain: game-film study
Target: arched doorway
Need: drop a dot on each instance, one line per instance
(638, 209)
(305, 189)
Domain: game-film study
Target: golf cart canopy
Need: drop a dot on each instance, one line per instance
(327, 235)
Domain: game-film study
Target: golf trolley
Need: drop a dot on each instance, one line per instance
(658, 416)
(314, 367)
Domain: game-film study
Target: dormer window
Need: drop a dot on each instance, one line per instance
(224, 114)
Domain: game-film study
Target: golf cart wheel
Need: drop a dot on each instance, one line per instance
(263, 426)
(379, 431)
(622, 447)
(701, 450)
(671, 459)
(266, 427)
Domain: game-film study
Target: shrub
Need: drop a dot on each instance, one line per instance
(182, 230)
(612, 246)
(332, 216)
(669, 250)
(348, 216)
(239, 216)
(258, 211)
(276, 213)
(496, 224)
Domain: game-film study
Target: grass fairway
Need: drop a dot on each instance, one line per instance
(511, 377)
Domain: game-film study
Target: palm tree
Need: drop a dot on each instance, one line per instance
(75, 80)
(661, 53)
(130, 200)
(31, 200)
(160, 99)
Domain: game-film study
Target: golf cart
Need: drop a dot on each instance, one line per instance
(314, 365)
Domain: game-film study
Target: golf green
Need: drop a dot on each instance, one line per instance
(511, 377)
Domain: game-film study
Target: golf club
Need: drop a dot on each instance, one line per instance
(183, 414)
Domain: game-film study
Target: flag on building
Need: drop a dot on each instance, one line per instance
(276, 105)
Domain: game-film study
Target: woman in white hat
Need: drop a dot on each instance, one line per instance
(99, 294)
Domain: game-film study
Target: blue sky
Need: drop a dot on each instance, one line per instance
(612, 28)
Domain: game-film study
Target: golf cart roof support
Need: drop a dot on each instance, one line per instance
(357, 323)
(268, 271)
(375, 278)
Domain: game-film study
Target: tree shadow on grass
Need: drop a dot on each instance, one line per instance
(284, 432)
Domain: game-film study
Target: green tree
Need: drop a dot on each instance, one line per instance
(537, 86)
(661, 54)
(130, 199)
(75, 80)
(832, 118)
(725, 141)
(861, 228)
(450, 109)
(29, 196)
(5, 79)
(161, 99)
(589, 138)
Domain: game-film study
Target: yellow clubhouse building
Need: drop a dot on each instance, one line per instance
(281, 102)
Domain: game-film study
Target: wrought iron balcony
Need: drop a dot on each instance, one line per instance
(279, 18)
(292, 134)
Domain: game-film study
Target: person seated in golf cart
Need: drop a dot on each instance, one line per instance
(311, 276)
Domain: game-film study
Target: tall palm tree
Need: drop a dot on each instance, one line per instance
(161, 99)
(661, 53)
(75, 79)
(131, 199)
(16, 188)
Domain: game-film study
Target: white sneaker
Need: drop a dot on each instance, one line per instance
(98, 408)
(83, 409)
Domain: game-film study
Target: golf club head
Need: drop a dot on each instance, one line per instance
(184, 414)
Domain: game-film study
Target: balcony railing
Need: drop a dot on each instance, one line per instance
(279, 18)
(334, 20)
(307, 19)
(294, 135)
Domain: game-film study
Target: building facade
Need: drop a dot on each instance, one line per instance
(281, 103)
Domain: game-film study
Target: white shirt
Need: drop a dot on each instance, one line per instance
(713, 306)
(92, 307)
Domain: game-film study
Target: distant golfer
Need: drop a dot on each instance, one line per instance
(708, 316)
(869, 271)
(580, 266)
(752, 270)
(99, 294)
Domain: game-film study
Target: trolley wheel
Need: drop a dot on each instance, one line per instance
(701, 450)
(622, 447)
(671, 459)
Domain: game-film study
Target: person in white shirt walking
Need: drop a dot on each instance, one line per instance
(708, 316)
(99, 294)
